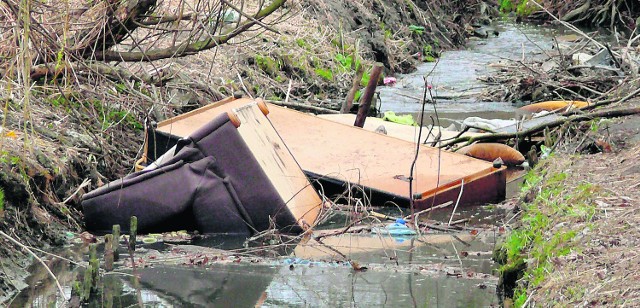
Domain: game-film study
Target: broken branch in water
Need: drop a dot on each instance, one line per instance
(343, 230)
(613, 113)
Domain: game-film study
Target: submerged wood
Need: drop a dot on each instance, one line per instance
(108, 252)
(116, 243)
(133, 232)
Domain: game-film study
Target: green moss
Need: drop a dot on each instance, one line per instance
(327, 74)
(302, 43)
(200, 45)
(544, 234)
(58, 100)
(1, 202)
(419, 30)
(429, 54)
(268, 65)
(387, 31)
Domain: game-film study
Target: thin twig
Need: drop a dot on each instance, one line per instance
(430, 209)
(243, 86)
(84, 183)
(286, 99)
(458, 256)
(457, 202)
(55, 279)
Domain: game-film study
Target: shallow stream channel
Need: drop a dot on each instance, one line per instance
(441, 267)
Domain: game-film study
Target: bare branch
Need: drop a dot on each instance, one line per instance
(188, 48)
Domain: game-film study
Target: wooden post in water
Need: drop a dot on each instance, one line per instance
(133, 231)
(116, 242)
(365, 104)
(108, 252)
(92, 274)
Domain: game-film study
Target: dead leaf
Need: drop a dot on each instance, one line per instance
(605, 146)
(356, 267)
(87, 238)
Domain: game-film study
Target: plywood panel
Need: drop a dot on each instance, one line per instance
(281, 168)
(351, 154)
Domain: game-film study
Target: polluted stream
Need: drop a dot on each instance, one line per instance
(443, 266)
(457, 76)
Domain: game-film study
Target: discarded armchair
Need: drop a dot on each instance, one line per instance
(212, 184)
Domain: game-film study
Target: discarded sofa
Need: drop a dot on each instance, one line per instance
(211, 183)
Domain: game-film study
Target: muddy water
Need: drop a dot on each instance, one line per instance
(435, 269)
(368, 270)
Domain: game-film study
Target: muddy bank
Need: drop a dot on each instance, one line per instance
(572, 243)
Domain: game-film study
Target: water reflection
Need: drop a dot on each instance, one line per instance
(413, 271)
(218, 286)
(317, 287)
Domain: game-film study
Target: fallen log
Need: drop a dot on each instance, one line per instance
(303, 107)
(613, 113)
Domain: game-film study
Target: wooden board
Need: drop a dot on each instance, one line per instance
(382, 163)
(351, 245)
(281, 168)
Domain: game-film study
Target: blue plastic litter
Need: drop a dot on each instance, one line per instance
(399, 228)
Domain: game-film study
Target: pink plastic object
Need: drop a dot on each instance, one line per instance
(389, 81)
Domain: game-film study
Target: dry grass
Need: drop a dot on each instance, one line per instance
(602, 266)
